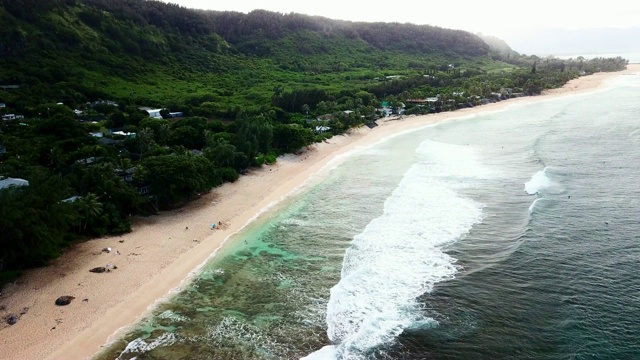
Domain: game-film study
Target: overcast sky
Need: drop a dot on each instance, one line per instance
(502, 18)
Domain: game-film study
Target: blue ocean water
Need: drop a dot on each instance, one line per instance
(508, 235)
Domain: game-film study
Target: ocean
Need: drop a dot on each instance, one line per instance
(505, 235)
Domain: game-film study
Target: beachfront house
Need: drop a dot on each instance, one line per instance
(322, 129)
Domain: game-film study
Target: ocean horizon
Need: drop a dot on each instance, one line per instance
(510, 234)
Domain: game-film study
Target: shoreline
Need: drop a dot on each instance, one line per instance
(163, 252)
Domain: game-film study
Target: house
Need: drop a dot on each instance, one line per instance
(96, 134)
(8, 182)
(322, 129)
(3, 105)
(127, 134)
(385, 111)
(103, 102)
(176, 114)
(127, 175)
(78, 112)
(348, 112)
(154, 113)
(72, 199)
(9, 117)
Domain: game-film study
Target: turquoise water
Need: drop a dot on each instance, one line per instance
(508, 235)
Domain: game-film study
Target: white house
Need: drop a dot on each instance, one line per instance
(9, 117)
(154, 113)
(130, 134)
(5, 183)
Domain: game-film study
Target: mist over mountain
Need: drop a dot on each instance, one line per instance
(576, 42)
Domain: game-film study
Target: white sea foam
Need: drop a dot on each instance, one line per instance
(399, 255)
(140, 346)
(294, 222)
(170, 315)
(539, 181)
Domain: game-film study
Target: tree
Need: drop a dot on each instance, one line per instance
(174, 178)
(145, 139)
(253, 136)
(34, 222)
(89, 207)
(291, 138)
(221, 153)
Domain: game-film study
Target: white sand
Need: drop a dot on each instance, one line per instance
(161, 251)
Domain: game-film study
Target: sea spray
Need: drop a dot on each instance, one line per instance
(538, 182)
(399, 255)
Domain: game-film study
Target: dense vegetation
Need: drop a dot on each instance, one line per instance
(249, 87)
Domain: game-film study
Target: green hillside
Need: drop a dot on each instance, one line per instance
(155, 53)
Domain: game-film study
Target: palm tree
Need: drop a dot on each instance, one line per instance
(145, 138)
(163, 134)
(90, 208)
(305, 109)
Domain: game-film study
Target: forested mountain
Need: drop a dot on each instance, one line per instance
(156, 52)
(231, 91)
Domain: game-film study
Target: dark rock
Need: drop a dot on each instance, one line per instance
(12, 319)
(99, 269)
(64, 300)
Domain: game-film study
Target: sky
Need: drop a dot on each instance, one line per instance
(507, 19)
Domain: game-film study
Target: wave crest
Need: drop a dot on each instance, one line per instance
(399, 256)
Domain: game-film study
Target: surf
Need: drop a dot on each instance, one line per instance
(400, 255)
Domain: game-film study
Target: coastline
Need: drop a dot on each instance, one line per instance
(165, 249)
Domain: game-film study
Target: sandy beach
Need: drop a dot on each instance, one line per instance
(164, 251)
